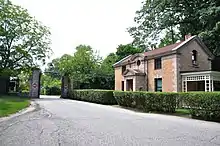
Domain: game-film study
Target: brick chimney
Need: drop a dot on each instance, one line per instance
(187, 36)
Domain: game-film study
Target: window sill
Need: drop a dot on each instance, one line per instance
(194, 65)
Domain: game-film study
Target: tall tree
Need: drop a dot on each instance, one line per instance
(52, 69)
(106, 72)
(198, 17)
(170, 38)
(125, 50)
(24, 41)
(81, 66)
(107, 63)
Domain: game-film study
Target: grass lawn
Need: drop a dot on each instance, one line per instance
(12, 104)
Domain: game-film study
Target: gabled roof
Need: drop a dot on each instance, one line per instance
(133, 72)
(162, 50)
(131, 58)
(120, 61)
(167, 50)
(176, 46)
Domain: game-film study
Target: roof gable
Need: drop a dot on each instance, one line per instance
(167, 50)
(128, 59)
(162, 50)
(133, 72)
(122, 60)
(176, 46)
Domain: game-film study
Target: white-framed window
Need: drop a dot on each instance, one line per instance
(194, 57)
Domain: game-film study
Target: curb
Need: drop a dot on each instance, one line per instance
(31, 108)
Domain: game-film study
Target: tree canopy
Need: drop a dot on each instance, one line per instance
(125, 50)
(198, 17)
(24, 41)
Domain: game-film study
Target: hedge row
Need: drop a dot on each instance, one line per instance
(147, 101)
(96, 96)
(201, 105)
(51, 91)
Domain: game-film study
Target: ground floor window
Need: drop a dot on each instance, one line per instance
(158, 84)
(207, 81)
(130, 85)
(196, 86)
(216, 85)
(122, 86)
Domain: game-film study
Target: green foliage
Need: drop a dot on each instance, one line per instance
(107, 63)
(52, 90)
(24, 41)
(171, 37)
(81, 66)
(87, 70)
(196, 17)
(52, 69)
(125, 50)
(106, 73)
(24, 83)
(147, 101)
(95, 96)
(50, 85)
(203, 105)
(48, 81)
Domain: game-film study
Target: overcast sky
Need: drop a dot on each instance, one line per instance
(102, 24)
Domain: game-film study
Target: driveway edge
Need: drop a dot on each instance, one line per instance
(28, 109)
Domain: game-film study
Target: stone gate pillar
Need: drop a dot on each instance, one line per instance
(65, 87)
(35, 84)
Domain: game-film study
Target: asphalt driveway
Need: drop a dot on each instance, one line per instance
(60, 122)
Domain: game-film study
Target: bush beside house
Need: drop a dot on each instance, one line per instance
(201, 105)
(147, 101)
(95, 96)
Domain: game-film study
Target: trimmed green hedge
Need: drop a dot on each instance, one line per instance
(95, 96)
(147, 101)
(51, 91)
(203, 105)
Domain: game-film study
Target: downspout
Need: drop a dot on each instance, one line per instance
(146, 72)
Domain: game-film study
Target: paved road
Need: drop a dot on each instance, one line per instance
(59, 122)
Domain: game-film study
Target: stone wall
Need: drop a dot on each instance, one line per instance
(118, 78)
(4, 84)
(152, 74)
(140, 83)
(65, 87)
(168, 73)
(186, 58)
(35, 84)
(169, 77)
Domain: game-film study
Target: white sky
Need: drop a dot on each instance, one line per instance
(101, 24)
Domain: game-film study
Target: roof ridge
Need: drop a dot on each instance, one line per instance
(168, 48)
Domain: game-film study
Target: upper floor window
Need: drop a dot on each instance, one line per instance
(129, 62)
(194, 56)
(123, 68)
(157, 63)
(138, 63)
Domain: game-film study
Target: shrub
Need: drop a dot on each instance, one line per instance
(147, 101)
(205, 105)
(95, 96)
(53, 90)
